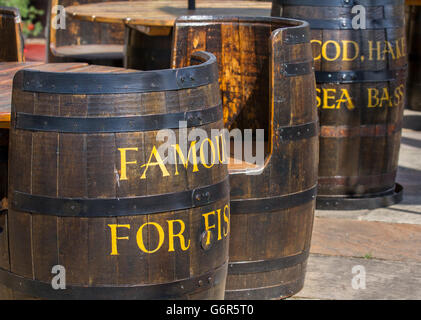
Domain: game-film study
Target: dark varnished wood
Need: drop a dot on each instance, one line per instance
(88, 166)
(11, 48)
(414, 49)
(257, 95)
(360, 140)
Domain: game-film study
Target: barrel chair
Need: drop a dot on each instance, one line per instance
(361, 74)
(11, 48)
(91, 193)
(267, 82)
(83, 41)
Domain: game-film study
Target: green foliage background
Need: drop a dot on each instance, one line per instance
(28, 13)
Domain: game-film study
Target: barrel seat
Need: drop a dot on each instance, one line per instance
(267, 83)
(92, 195)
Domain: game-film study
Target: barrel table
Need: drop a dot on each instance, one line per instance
(361, 83)
(149, 24)
(267, 82)
(90, 193)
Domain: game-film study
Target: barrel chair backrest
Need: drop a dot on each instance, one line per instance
(79, 32)
(361, 82)
(267, 82)
(87, 172)
(11, 48)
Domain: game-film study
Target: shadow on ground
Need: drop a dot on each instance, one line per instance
(412, 121)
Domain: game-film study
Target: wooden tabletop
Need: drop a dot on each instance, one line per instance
(9, 69)
(163, 13)
(413, 2)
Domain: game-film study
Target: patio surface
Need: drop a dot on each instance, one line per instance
(386, 241)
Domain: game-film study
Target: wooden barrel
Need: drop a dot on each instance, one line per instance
(414, 49)
(267, 82)
(361, 75)
(92, 190)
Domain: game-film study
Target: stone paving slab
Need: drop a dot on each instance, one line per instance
(389, 238)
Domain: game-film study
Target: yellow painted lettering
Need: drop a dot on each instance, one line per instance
(202, 154)
(337, 50)
(373, 93)
(114, 237)
(346, 47)
(179, 235)
(140, 241)
(327, 97)
(124, 163)
(192, 152)
(227, 219)
(207, 226)
(345, 98)
(158, 162)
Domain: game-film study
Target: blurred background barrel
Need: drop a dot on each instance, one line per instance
(90, 192)
(414, 49)
(361, 71)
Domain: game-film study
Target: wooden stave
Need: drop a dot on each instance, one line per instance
(191, 98)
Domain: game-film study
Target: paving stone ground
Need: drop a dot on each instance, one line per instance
(385, 243)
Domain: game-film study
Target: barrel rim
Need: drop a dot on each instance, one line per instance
(91, 83)
(293, 23)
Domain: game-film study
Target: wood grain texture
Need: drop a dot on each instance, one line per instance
(11, 35)
(257, 95)
(89, 166)
(363, 164)
(162, 13)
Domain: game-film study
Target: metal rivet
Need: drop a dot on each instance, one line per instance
(198, 197)
(204, 239)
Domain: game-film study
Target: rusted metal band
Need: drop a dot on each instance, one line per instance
(297, 35)
(375, 130)
(297, 69)
(368, 201)
(383, 179)
(32, 122)
(357, 76)
(246, 267)
(279, 291)
(75, 207)
(293, 133)
(173, 290)
(262, 205)
(122, 83)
